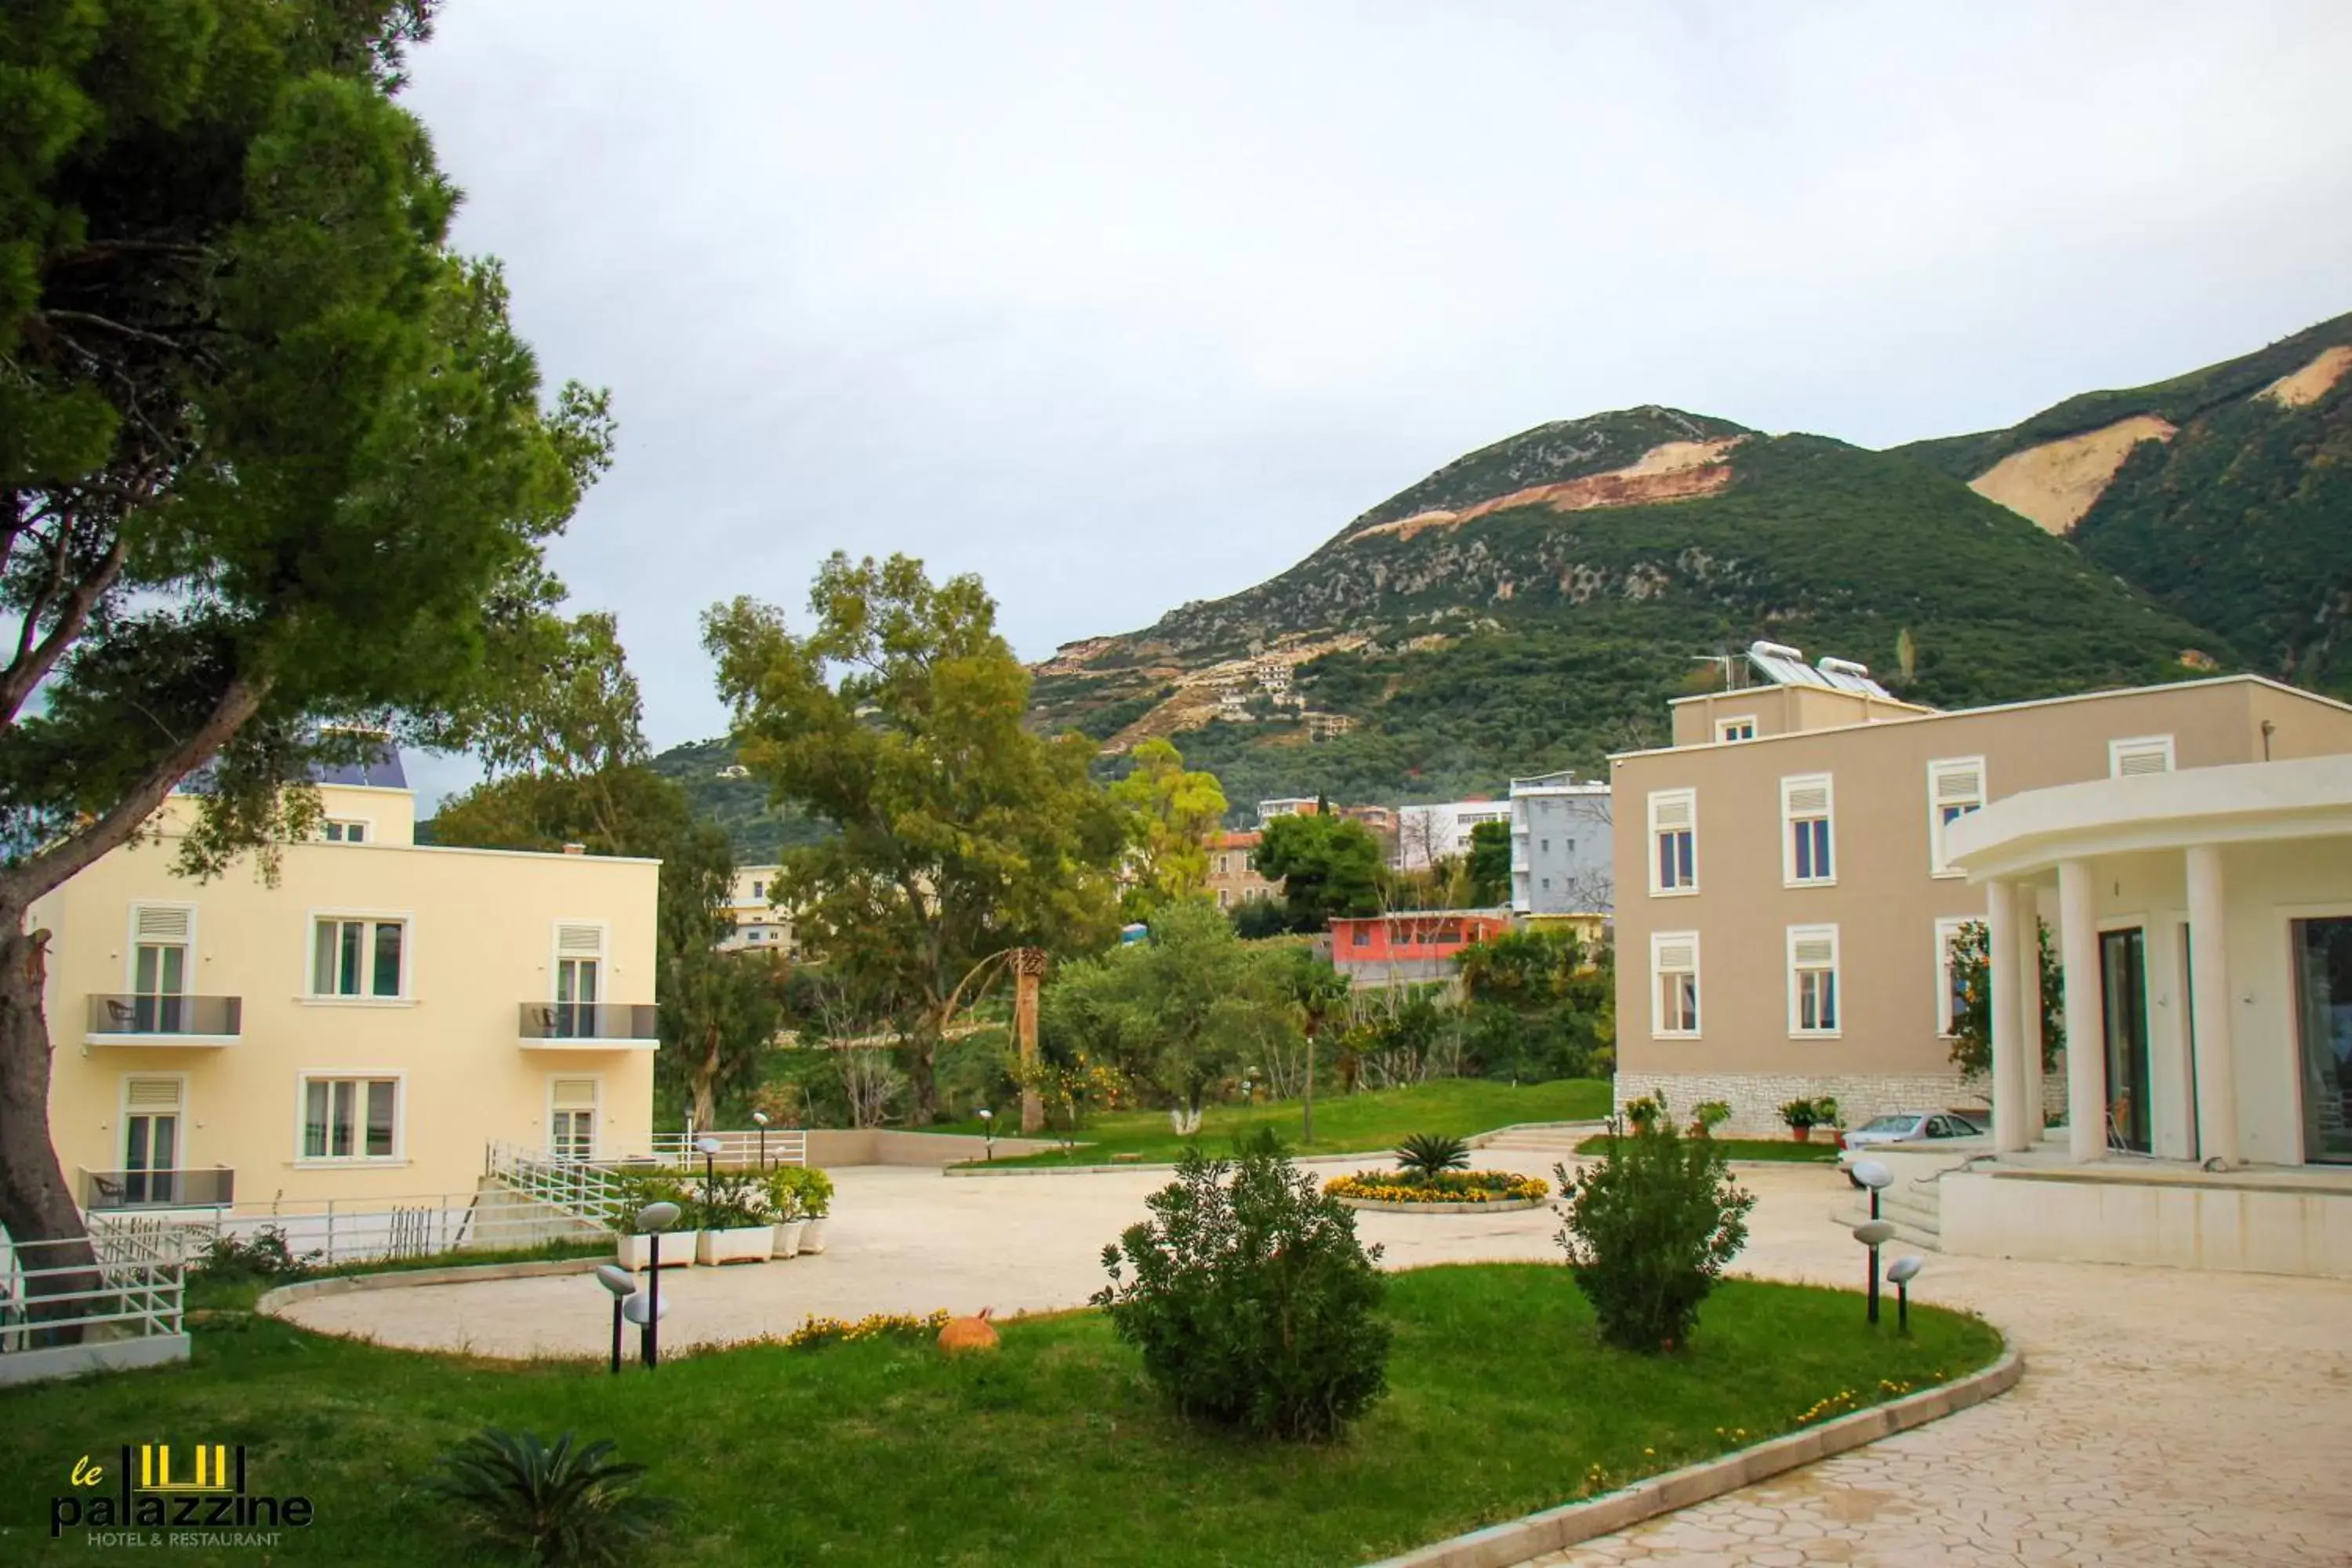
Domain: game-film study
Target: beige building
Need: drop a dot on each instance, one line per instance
(1234, 880)
(365, 1028)
(758, 923)
(1788, 887)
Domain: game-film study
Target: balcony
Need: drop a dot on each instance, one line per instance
(109, 1191)
(589, 1027)
(164, 1021)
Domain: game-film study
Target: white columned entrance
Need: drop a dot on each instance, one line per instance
(2208, 984)
(2086, 1033)
(2029, 1016)
(2001, 963)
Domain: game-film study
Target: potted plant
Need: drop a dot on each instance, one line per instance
(1708, 1115)
(734, 1223)
(1803, 1116)
(635, 1251)
(816, 1201)
(785, 1187)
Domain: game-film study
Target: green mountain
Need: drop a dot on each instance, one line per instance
(738, 803)
(1535, 604)
(2226, 494)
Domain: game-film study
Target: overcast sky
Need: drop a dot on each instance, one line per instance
(1122, 305)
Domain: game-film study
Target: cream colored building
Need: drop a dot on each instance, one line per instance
(366, 1028)
(1234, 878)
(1788, 884)
(759, 924)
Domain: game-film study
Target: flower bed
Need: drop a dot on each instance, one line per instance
(1445, 1192)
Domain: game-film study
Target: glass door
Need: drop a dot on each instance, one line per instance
(575, 999)
(2123, 991)
(159, 986)
(2322, 994)
(151, 1147)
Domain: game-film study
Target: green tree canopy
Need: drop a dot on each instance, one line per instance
(898, 718)
(270, 454)
(1172, 815)
(1328, 866)
(1490, 863)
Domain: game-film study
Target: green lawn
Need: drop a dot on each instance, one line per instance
(1344, 1124)
(1786, 1150)
(1054, 1452)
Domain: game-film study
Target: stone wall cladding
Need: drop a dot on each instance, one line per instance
(1756, 1097)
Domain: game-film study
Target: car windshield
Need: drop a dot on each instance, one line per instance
(1888, 1124)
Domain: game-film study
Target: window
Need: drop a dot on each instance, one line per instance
(351, 1118)
(1956, 786)
(1547, 845)
(353, 956)
(759, 890)
(572, 1119)
(2144, 754)
(1805, 841)
(1674, 984)
(1359, 936)
(1813, 979)
(1674, 836)
(1951, 996)
(579, 969)
(152, 1154)
(162, 935)
(342, 831)
(1741, 728)
(1547, 884)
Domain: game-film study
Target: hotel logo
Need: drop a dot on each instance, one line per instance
(192, 1494)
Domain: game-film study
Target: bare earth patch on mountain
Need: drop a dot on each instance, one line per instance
(2055, 483)
(2310, 383)
(1676, 470)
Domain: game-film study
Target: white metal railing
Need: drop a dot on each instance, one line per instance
(110, 1287)
(740, 1149)
(585, 1189)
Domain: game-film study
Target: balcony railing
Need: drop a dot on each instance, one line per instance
(554, 1023)
(211, 1188)
(210, 1020)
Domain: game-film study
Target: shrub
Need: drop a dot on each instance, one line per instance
(1650, 1227)
(1801, 1114)
(1426, 1154)
(1444, 1187)
(265, 1256)
(1252, 1301)
(730, 1200)
(1709, 1114)
(561, 1504)
(633, 1190)
(799, 1192)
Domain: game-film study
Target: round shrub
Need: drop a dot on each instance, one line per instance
(1651, 1225)
(1252, 1301)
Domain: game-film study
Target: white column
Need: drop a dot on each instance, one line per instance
(2208, 983)
(2000, 962)
(2029, 1016)
(2086, 1033)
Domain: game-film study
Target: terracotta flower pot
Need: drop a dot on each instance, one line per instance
(1801, 1134)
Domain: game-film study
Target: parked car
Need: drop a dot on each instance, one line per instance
(1903, 1127)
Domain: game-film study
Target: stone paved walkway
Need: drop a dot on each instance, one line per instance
(2166, 1418)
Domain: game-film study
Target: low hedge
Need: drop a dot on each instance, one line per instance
(1445, 1187)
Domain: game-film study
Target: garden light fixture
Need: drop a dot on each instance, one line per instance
(646, 1312)
(988, 1132)
(622, 1284)
(710, 1148)
(1900, 1273)
(1874, 1235)
(652, 1220)
(759, 1121)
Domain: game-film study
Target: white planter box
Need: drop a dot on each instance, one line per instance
(813, 1239)
(788, 1237)
(636, 1252)
(744, 1243)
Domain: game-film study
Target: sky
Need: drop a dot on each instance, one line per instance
(1120, 306)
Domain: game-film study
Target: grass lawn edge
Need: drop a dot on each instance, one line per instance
(1556, 1528)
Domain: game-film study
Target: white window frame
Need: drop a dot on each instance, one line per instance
(1837, 984)
(595, 1107)
(1723, 728)
(1659, 942)
(366, 824)
(1670, 797)
(123, 1114)
(1789, 785)
(1947, 929)
(305, 1078)
(2119, 752)
(406, 920)
(132, 943)
(1941, 769)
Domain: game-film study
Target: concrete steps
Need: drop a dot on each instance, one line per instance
(1913, 1207)
(1556, 1139)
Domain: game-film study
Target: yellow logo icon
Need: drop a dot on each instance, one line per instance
(212, 1469)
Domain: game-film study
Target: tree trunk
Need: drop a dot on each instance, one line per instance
(1307, 1137)
(706, 1102)
(922, 1080)
(36, 1203)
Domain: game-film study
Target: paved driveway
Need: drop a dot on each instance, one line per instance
(2166, 1417)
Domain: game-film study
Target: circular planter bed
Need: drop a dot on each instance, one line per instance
(1451, 1192)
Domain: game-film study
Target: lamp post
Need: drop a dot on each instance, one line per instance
(759, 1121)
(1873, 1232)
(652, 1220)
(646, 1312)
(710, 1148)
(1900, 1273)
(988, 1132)
(622, 1284)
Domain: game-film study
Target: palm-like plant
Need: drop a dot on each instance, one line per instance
(563, 1504)
(1426, 1154)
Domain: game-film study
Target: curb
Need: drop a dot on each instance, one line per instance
(1507, 1205)
(1356, 1158)
(284, 1296)
(1516, 1541)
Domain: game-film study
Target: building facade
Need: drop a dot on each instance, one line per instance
(1234, 876)
(1428, 834)
(365, 1028)
(758, 923)
(1420, 945)
(1562, 858)
(1787, 905)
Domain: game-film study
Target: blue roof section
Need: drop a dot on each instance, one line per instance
(380, 771)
